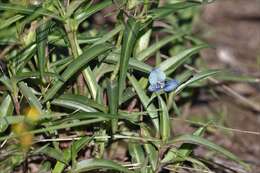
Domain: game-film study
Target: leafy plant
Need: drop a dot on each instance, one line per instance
(89, 84)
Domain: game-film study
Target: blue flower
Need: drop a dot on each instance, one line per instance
(157, 80)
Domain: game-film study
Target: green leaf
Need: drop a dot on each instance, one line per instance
(201, 141)
(165, 123)
(78, 102)
(129, 40)
(57, 127)
(31, 98)
(20, 76)
(171, 64)
(198, 77)
(168, 9)
(53, 153)
(229, 76)
(23, 57)
(180, 154)
(133, 63)
(73, 6)
(7, 82)
(90, 115)
(111, 34)
(60, 165)
(10, 21)
(41, 41)
(90, 79)
(6, 108)
(113, 102)
(150, 150)
(27, 10)
(96, 164)
(8, 120)
(83, 15)
(75, 66)
(145, 54)
(45, 167)
(145, 101)
(77, 146)
(137, 153)
(143, 42)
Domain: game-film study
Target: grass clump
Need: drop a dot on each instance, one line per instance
(82, 70)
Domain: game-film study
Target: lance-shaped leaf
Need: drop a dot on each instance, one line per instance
(152, 111)
(94, 164)
(78, 102)
(129, 39)
(168, 9)
(198, 77)
(165, 123)
(29, 95)
(75, 66)
(204, 142)
(6, 108)
(171, 64)
(180, 154)
(41, 41)
(113, 103)
(92, 9)
(151, 150)
(28, 10)
(146, 53)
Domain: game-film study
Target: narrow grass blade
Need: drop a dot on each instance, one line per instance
(90, 79)
(70, 154)
(145, 54)
(168, 9)
(73, 6)
(6, 108)
(75, 66)
(53, 153)
(143, 42)
(41, 42)
(108, 36)
(129, 39)
(78, 102)
(77, 146)
(61, 165)
(171, 64)
(94, 164)
(133, 63)
(92, 10)
(201, 141)
(31, 98)
(68, 125)
(151, 151)
(198, 77)
(113, 102)
(165, 123)
(137, 153)
(10, 21)
(20, 76)
(7, 82)
(180, 154)
(28, 10)
(145, 101)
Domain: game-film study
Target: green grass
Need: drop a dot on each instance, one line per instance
(89, 84)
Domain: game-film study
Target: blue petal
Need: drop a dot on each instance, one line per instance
(154, 88)
(170, 85)
(156, 76)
